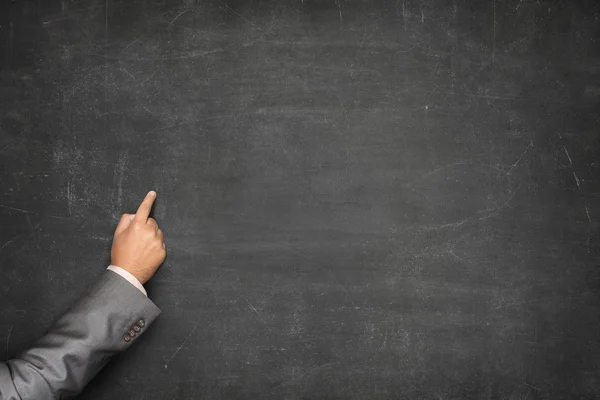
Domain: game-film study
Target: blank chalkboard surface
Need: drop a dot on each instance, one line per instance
(360, 199)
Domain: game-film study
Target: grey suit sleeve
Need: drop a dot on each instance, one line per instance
(106, 321)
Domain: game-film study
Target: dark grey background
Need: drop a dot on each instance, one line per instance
(361, 199)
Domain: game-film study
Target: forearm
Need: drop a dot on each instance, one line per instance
(106, 321)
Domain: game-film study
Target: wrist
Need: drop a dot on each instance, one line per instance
(130, 268)
(128, 276)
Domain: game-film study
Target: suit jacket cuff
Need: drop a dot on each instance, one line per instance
(107, 320)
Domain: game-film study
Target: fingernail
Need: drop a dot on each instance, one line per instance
(152, 193)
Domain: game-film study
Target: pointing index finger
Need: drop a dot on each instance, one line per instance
(143, 211)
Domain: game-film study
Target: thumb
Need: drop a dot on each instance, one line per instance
(124, 223)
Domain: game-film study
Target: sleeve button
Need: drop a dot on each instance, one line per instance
(136, 328)
(141, 323)
(127, 338)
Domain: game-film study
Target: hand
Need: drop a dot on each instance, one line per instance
(138, 245)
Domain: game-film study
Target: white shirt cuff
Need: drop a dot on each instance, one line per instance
(128, 277)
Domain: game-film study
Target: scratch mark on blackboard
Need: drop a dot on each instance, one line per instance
(340, 10)
(456, 224)
(493, 211)
(533, 387)
(258, 314)
(537, 300)
(181, 57)
(454, 255)
(588, 215)
(588, 241)
(181, 345)
(362, 41)
(119, 172)
(316, 369)
(29, 212)
(577, 181)
(480, 215)
(16, 209)
(69, 196)
(8, 338)
(104, 239)
(519, 160)
(33, 230)
(442, 168)
(128, 73)
(226, 377)
(343, 107)
(131, 44)
(176, 18)
(9, 242)
(244, 18)
(404, 14)
(57, 217)
(494, 33)
(518, 5)
(568, 156)
(169, 57)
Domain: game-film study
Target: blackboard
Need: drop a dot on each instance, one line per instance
(361, 199)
